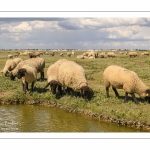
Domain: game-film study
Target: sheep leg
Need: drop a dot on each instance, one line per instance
(70, 91)
(27, 86)
(107, 91)
(134, 98)
(126, 95)
(42, 76)
(32, 85)
(60, 89)
(116, 92)
(24, 87)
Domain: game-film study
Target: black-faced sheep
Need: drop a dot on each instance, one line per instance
(52, 76)
(38, 63)
(72, 76)
(52, 79)
(27, 74)
(121, 78)
(10, 65)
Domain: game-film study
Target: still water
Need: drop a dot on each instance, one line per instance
(28, 118)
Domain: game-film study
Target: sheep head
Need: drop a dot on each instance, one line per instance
(12, 77)
(147, 97)
(53, 86)
(21, 73)
(85, 92)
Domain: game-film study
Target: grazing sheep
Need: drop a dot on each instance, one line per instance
(27, 74)
(91, 57)
(38, 63)
(73, 53)
(69, 54)
(111, 54)
(10, 56)
(121, 78)
(80, 56)
(72, 76)
(146, 53)
(10, 65)
(93, 54)
(52, 78)
(16, 54)
(61, 54)
(52, 53)
(133, 54)
(102, 55)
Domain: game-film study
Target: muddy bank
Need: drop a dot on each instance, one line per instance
(129, 123)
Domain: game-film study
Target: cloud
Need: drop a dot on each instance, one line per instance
(75, 32)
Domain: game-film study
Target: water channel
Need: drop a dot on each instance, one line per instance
(29, 118)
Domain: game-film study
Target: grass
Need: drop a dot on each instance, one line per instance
(113, 107)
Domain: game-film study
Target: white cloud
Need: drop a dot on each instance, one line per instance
(22, 27)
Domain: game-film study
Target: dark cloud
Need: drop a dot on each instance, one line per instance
(10, 20)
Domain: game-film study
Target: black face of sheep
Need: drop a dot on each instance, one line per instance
(147, 98)
(53, 86)
(21, 73)
(85, 92)
(12, 77)
(6, 74)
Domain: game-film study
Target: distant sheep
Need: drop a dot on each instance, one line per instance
(61, 54)
(133, 54)
(146, 53)
(80, 56)
(16, 54)
(121, 78)
(102, 55)
(111, 54)
(73, 76)
(27, 74)
(69, 54)
(10, 65)
(10, 56)
(73, 53)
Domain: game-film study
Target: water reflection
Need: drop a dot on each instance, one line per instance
(28, 118)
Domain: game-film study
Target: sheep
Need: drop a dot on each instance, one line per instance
(73, 53)
(146, 53)
(92, 53)
(52, 53)
(121, 78)
(69, 54)
(80, 56)
(102, 55)
(91, 57)
(61, 54)
(111, 54)
(27, 74)
(132, 54)
(10, 65)
(72, 76)
(35, 54)
(16, 54)
(52, 78)
(38, 63)
(10, 56)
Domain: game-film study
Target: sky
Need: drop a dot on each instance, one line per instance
(75, 33)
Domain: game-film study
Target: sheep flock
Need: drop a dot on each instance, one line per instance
(64, 76)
